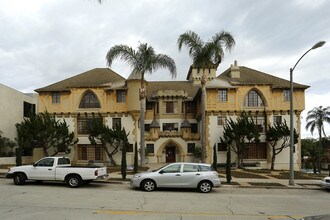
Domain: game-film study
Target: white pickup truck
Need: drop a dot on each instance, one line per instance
(56, 169)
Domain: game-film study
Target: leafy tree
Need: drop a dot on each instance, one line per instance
(112, 140)
(6, 143)
(44, 131)
(215, 158)
(275, 134)
(206, 55)
(239, 134)
(309, 150)
(315, 119)
(136, 165)
(143, 60)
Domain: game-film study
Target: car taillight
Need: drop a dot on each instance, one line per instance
(96, 173)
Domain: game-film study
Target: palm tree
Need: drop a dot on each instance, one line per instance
(205, 55)
(143, 60)
(315, 119)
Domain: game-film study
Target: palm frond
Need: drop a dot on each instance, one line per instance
(123, 52)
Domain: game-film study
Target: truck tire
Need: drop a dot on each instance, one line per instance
(73, 181)
(19, 178)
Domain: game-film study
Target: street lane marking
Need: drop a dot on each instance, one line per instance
(138, 212)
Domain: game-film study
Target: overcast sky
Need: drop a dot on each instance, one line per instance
(45, 41)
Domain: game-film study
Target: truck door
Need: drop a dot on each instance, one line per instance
(43, 170)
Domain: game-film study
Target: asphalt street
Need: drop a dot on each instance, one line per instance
(120, 201)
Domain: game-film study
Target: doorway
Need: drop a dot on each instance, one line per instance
(170, 154)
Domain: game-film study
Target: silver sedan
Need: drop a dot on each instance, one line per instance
(325, 183)
(178, 175)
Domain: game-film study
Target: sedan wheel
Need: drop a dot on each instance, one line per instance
(148, 185)
(205, 187)
(19, 179)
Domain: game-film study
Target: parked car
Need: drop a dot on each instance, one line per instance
(56, 169)
(178, 175)
(325, 183)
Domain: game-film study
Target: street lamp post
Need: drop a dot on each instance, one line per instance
(291, 177)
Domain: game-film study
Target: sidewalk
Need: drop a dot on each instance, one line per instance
(270, 182)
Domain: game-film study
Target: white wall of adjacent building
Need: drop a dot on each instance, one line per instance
(12, 109)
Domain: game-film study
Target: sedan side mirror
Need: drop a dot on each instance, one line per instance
(161, 172)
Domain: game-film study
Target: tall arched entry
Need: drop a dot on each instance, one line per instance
(169, 152)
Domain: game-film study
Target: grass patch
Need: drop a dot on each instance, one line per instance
(243, 174)
(298, 175)
(258, 171)
(230, 184)
(264, 184)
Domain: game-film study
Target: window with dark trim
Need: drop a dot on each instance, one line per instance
(129, 148)
(222, 120)
(28, 109)
(147, 127)
(84, 123)
(56, 97)
(89, 100)
(286, 94)
(260, 121)
(194, 128)
(222, 147)
(116, 122)
(253, 99)
(277, 119)
(150, 148)
(222, 95)
(90, 152)
(170, 107)
(191, 148)
(121, 95)
(149, 105)
(170, 126)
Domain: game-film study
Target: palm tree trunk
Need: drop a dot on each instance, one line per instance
(319, 152)
(203, 118)
(142, 129)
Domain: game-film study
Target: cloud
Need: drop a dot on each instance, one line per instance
(43, 42)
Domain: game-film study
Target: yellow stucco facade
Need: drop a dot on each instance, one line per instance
(173, 116)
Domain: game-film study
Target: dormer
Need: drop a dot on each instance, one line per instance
(195, 74)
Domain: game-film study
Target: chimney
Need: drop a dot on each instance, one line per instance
(234, 71)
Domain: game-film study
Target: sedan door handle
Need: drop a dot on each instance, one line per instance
(198, 174)
(177, 175)
(50, 169)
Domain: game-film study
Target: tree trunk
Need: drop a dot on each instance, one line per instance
(203, 99)
(112, 161)
(142, 104)
(319, 152)
(273, 160)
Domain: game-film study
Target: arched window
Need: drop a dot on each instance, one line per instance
(253, 99)
(89, 100)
